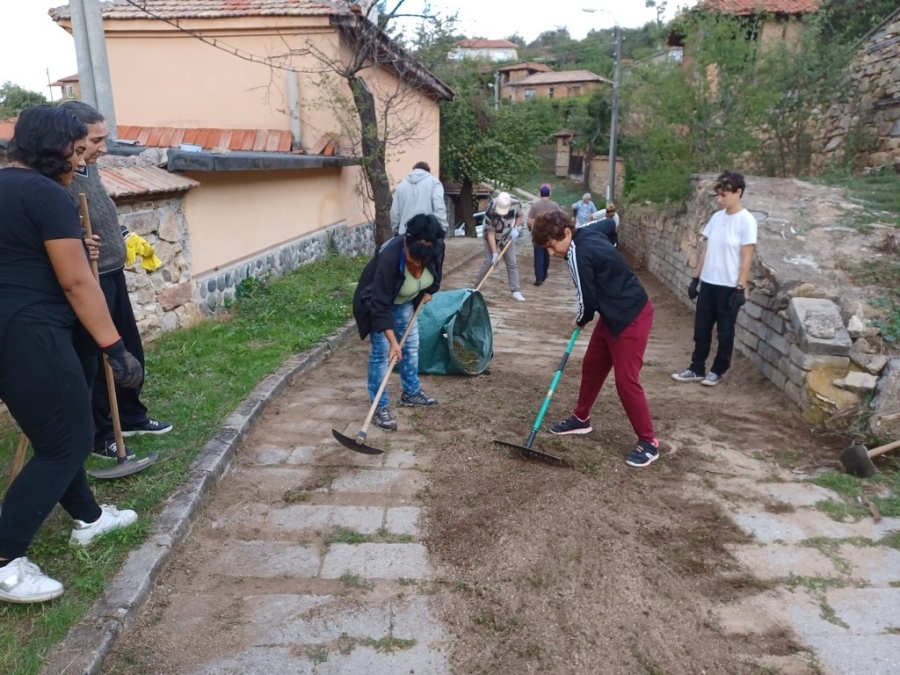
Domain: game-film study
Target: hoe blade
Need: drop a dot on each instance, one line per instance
(125, 467)
(355, 444)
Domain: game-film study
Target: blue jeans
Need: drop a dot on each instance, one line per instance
(378, 358)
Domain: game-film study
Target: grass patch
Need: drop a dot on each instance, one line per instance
(565, 190)
(878, 190)
(344, 535)
(355, 581)
(646, 662)
(195, 378)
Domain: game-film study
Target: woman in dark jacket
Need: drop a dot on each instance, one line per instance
(606, 286)
(405, 272)
(46, 287)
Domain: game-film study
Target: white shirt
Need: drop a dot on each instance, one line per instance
(725, 235)
(601, 214)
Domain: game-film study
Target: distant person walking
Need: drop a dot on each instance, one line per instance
(502, 221)
(723, 269)
(419, 192)
(541, 257)
(583, 210)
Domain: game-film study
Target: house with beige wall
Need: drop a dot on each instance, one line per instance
(563, 84)
(244, 99)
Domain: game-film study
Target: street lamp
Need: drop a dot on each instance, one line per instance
(614, 115)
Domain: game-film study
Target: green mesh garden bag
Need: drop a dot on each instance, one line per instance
(455, 336)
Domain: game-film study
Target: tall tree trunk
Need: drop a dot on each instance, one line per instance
(373, 157)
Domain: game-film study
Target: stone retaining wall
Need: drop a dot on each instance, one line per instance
(213, 292)
(796, 334)
(866, 127)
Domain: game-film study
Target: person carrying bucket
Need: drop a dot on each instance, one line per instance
(606, 286)
(405, 272)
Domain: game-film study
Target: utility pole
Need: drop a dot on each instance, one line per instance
(93, 64)
(614, 121)
(496, 89)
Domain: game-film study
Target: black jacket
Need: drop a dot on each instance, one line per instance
(381, 281)
(604, 281)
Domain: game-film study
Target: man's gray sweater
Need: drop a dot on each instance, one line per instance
(104, 218)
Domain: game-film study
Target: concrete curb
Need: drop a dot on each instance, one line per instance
(89, 642)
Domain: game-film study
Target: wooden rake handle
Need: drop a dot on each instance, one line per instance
(880, 450)
(18, 460)
(361, 436)
(499, 258)
(107, 369)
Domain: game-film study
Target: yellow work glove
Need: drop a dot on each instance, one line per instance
(135, 246)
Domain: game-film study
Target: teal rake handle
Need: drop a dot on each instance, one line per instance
(559, 372)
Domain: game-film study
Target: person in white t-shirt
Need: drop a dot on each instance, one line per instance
(723, 269)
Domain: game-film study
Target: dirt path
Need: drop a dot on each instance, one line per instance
(447, 554)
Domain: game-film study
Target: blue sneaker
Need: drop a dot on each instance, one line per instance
(571, 425)
(644, 453)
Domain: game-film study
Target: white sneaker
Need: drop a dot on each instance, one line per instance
(22, 581)
(110, 519)
(518, 296)
(711, 380)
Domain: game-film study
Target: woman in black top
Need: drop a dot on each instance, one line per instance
(605, 286)
(46, 287)
(405, 272)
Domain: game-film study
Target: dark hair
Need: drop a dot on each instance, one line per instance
(549, 226)
(86, 114)
(43, 140)
(422, 165)
(423, 232)
(731, 181)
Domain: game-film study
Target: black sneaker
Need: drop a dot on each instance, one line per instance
(109, 450)
(384, 420)
(571, 425)
(420, 398)
(154, 427)
(644, 453)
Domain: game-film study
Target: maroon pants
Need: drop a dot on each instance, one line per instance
(624, 354)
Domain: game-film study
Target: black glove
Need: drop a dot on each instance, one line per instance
(126, 369)
(692, 289)
(737, 299)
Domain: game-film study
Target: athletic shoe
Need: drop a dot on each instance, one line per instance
(711, 380)
(687, 376)
(538, 283)
(109, 450)
(517, 296)
(571, 425)
(384, 420)
(420, 398)
(22, 581)
(154, 427)
(644, 453)
(110, 519)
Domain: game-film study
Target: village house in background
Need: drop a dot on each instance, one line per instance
(69, 89)
(273, 177)
(488, 50)
(552, 84)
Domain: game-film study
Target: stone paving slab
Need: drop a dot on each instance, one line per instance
(779, 561)
(300, 517)
(377, 561)
(773, 527)
(397, 483)
(879, 566)
(268, 559)
(868, 610)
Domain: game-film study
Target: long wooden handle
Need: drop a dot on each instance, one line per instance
(880, 450)
(361, 436)
(499, 258)
(18, 460)
(107, 369)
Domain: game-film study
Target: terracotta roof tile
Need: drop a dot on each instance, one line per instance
(129, 181)
(561, 77)
(212, 9)
(746, 7)
(481, 43)
(260, 140)
(527, 65)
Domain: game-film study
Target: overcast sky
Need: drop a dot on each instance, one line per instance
(31, 43)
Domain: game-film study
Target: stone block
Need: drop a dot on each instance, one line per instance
(777, 342)
(794, 374)
(857, 382)
(377, 561)
(775, 322)
(809, 361)
(820, 326)
(794, 392)
(753, 310)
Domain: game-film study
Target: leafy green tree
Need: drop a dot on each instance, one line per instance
(847, 21)
(481, 143)
(14, 99)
